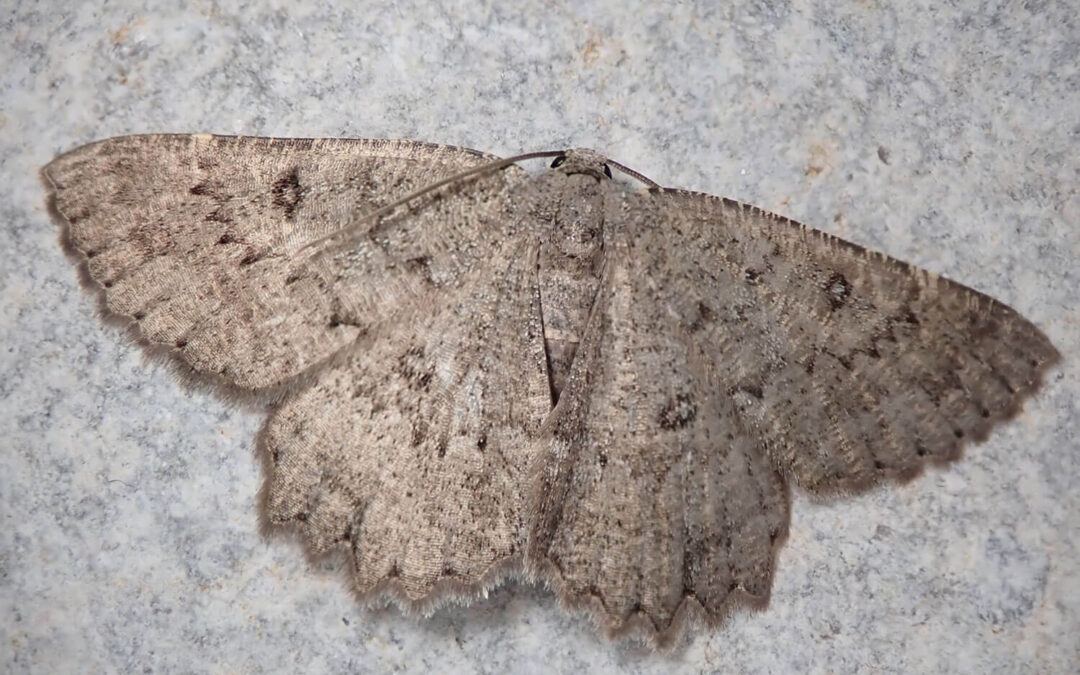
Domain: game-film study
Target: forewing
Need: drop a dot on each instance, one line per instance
(201, 239)
(850, 366)
(651, 498)
(412, 452)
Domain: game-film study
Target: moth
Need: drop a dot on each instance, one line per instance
(472, 371)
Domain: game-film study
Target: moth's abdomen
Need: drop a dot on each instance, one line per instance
(569, 268)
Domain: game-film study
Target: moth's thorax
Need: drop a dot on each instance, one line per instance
(569, 263)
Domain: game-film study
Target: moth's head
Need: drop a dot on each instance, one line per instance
(583, 161)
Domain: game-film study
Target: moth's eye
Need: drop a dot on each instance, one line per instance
(558, 161)
(607, 171)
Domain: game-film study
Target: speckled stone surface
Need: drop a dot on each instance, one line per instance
(948, 137)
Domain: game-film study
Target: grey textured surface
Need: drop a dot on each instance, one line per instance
(946, 137)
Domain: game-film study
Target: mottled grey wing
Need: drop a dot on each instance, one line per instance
(851, 366)
(199, 240)
(727, 350)
(650, 496)
(412, 453)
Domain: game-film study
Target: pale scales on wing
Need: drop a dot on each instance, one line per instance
(475, 372)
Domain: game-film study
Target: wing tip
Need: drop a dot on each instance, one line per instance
(232, 393)
(1042, 363)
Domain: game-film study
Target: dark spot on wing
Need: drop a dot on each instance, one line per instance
(843, 360)
(677, 413)
(705, 316)
(412, 367)
(287, 193)
(837, 290)
(421, 265)
(752, 390)
(908, 316)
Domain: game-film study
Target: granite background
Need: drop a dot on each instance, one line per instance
(945, 134)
